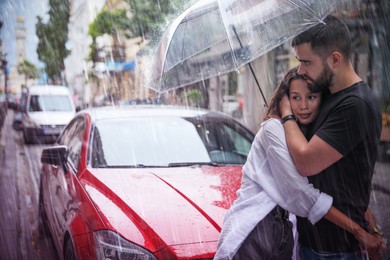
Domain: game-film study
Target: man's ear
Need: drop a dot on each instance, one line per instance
(335, 58)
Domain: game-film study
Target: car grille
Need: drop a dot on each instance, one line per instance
(53, 126)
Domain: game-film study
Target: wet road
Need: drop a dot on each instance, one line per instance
(19, 187)
(380, 199)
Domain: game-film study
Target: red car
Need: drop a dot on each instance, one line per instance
(141, 182)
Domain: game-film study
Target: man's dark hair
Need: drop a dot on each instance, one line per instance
(334, 35)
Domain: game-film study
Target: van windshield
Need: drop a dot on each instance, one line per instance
(49, 103)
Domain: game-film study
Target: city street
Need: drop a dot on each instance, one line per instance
(20, 236)
(19, 189)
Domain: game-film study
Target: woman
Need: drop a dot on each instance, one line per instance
(257, 225)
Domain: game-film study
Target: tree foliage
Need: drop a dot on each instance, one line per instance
(192, 97)
(144, 19)
(106, 22)
(53, 36)
(28, 69)
(150, 15)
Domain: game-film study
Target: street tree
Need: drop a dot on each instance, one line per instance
(108, 22)
(145, 19)
(149, 16)
(53, 36)
(27, 69)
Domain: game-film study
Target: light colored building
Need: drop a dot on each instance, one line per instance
(15, 81)
(82, 13)
(121, 72)
(112, 76)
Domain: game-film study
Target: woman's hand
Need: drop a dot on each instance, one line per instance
(284, 106)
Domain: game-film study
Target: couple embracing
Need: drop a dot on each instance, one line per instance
(313, 156)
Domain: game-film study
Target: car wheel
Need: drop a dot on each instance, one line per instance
(69, 251)
(31, 139)
(16, 125)
(27, 138)
(43, 224)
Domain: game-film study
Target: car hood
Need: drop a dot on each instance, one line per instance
(161, 207)
(51, 117)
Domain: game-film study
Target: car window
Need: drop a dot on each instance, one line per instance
(164, 141)
(226, 141)
(72, 137)
(146, 141)
(34, 104)
(50, 103)
(241, 145)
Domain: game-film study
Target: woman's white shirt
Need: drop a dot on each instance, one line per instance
(269, 179)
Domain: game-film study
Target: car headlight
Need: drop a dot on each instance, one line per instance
(110, 245)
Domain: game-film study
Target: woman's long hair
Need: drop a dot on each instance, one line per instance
(283, 88)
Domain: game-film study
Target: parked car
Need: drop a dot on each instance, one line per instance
(142, 182)
(17, 121)
(13, 101)
(230, 104)
(3, 109)
(45, 112)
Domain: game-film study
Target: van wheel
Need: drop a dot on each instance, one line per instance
(27, 138)
(31, 139)
(43, 223)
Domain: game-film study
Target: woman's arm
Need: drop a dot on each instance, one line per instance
(270, 165)
(373, 244)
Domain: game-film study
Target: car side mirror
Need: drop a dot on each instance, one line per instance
(57, 155)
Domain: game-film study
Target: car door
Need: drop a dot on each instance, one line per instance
(62, 188)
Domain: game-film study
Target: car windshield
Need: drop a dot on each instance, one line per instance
(168, 142)
(49, 103)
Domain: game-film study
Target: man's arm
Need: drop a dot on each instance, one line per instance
(375, 245)
(310, 157)
(370, 218)
(375, 253)
(276, 174)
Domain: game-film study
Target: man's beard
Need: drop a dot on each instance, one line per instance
(323, 82)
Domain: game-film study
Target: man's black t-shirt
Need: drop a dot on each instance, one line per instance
(349, 121)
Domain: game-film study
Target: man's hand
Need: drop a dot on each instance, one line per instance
(379, 252)
(375, 245)
(285, 106)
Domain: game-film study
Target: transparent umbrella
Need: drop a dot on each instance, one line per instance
(214, 37)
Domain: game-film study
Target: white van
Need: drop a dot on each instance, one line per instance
(46, 111)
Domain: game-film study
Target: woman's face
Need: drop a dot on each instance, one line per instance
(305, 104)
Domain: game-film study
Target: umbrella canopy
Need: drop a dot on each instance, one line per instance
(214, 37)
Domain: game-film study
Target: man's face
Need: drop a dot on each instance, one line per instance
(313, 67)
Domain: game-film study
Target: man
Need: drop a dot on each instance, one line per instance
(340, 156)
